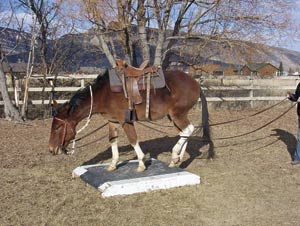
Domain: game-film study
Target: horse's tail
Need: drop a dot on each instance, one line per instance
(205, 125)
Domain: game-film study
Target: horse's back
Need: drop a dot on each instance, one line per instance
(182, 86)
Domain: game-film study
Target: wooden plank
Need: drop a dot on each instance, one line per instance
(36, 102)
(220, 99)
(211, 88)
(49, 89)
(209, 99)
(69, 76)
(238, 88)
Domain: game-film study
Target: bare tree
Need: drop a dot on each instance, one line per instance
(30, 64)
(179, 21)
(10, 110)
(52, 21)
(45, 13)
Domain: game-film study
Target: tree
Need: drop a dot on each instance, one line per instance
(10, 111)
(45, 13)
(51, 19)
(177, 22)
(280, 69)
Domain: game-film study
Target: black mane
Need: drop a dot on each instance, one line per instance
(83, 94)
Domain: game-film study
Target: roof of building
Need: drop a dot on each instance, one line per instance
(257, 66)
(15, 67)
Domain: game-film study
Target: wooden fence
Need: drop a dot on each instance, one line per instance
(222, 89)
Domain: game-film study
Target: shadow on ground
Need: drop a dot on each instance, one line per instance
(155, 148)
(288, 139)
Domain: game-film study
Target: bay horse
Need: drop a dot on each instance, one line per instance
(175, 101)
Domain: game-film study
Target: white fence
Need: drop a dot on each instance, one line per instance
(276, 88)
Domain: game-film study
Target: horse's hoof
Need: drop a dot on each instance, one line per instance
(111, 168)
(174, 162)
(141, 169)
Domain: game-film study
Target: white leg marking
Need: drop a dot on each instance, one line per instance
(180, 147)
(115, 156)
(140, 156)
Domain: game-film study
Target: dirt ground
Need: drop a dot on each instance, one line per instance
(250, 181)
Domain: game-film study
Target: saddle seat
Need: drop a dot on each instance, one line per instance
(130, 80)
(135, 72)
(132, 76)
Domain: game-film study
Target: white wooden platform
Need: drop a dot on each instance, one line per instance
(125, 180)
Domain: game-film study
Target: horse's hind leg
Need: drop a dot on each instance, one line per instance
(113, 139)
(186, 130)
(132, 137)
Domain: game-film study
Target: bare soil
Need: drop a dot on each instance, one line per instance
(250, 181)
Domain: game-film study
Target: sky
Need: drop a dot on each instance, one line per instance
(292, 41)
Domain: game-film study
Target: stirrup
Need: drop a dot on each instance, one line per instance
(130, 115)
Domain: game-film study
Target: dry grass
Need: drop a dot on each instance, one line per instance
(250, 182)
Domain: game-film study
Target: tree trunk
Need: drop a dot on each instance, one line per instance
(10, 111)
(184, 7)
(106, 50)
(29, 68)
(162, 28)
(142, 31)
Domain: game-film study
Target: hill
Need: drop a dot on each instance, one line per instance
(82, 50)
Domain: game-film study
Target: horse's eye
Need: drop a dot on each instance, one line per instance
(57, 127)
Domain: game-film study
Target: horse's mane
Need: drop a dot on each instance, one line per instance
(82, 94)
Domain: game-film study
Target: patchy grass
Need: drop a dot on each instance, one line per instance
(250, 182)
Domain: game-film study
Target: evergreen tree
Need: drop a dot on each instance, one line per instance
(280, 68)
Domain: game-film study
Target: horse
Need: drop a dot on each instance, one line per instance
(175, 101)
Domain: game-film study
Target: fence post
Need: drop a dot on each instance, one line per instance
(82, 83)
(251, 93)
(16, 92)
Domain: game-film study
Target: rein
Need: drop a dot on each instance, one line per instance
(65, 129)
(259, 128)
(199, 128)
(249, 116)
(81, 129)
(85, 125)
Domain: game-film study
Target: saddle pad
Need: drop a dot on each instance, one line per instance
(116, 83)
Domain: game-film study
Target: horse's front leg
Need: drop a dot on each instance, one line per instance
(132, 137)
(113, 139)
(180, 147)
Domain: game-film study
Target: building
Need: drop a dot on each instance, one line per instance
(259, 69)
(203, 69)
(228, 70)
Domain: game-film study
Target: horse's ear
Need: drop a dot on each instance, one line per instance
(54, 105)
(118, 62)
(121, 63)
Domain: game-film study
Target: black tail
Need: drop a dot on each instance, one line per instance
(205, 125)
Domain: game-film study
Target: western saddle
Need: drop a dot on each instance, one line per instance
(135, 79)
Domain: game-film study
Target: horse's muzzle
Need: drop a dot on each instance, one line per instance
(56, 150)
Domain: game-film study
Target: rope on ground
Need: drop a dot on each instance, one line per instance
(249, 116)
(259, 128)
(92, 142)
(149, 127)
(90, 133)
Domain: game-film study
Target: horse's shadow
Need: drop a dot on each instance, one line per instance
(288, 139)
(155, 148)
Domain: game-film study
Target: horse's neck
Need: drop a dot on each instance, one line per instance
(88, 107)
(82, 111)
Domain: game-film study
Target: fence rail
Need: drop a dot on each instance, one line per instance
(208, 85)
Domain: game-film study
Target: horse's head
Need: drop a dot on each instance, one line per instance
(62, 129)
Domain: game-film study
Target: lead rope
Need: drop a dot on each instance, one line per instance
(85, 125)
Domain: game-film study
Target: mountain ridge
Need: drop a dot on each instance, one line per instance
(82, 50)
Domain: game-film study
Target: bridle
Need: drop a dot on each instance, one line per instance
(66, 123)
